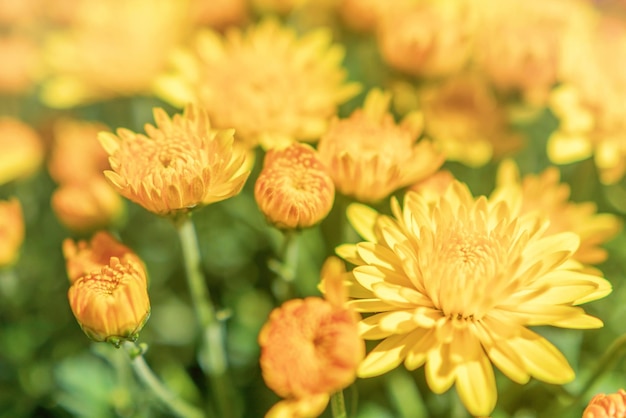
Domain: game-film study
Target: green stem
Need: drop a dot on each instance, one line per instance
(285, 266)
(615, 351)
(212, 355)
(338, 405)
(175, 404)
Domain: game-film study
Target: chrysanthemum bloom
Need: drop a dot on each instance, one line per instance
(607, 406)
(466, 121)
(369, 156)
(545, 194)
(76, 155)
(271, 86)
(111, 304)
(20, 64)
(311, 348)
(294, 189)
(181, 164)
(11, 231)
(84, 257)
(22, 150)
(87, 206)
(519, 44)
(453, 286)
(113, 48)
(411, 40)
(590, 102)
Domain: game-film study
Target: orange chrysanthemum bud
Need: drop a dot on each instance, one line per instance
(11, 231)
(311, 348)
(607, 406)
(369, 156)
(111, 304)
(180, 164)
(87, 206)
(84, 257)
(22, 150)
(294, 190)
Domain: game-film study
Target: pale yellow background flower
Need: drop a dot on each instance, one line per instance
(22, 150)
(453, 286)
(12, 231)
(21, 64)
(369, 155)
(266, 82)
(180, 164)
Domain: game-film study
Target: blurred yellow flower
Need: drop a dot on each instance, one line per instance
(218, 14)
(11, 231)
(267, 83)
(111, 304)
(20, 67)
(76, 155)
(607, 406)
(411, 40)
(22, 150)
(363, 15)
(369, 156)
(112, 48)
(311, 348)
(294, 189)
(84, 257)
(466, 121)
(545, 194)
(18, 12)
(87, 206)
(454, 284)
(181, 164)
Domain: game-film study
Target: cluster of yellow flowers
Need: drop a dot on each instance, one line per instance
(445, 279)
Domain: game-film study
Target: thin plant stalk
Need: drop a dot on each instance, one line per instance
(175, 404)
(212, 353)
(338, 405)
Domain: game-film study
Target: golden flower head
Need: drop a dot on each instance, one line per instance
(180, 164)
(454, 284)
(545, 194)
(294, 189)
(111, 304)
(22, 150)
(369, 156)
(272, 86)
(113, 48)
(11, 231)
(310, 348)
(607, 406)
(466, 121)
(411, 40)
(87, 206)
(84, 257)
(76, 155)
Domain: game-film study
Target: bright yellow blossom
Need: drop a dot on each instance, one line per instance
(369, 156)
(180, 164)
(267, 83)
(607, 406)
(22, 150)
(453, 286)
(11, 231)
(294, 189)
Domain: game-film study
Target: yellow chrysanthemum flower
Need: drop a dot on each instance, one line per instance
(269, 84)
(181, 163)
(453, 285)
(369, 156)
(545, 194)
(22, 150)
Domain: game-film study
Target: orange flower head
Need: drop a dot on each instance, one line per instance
(11, 231)
(362, 15)
(111, 304)
(607, 406)
(180, 164)
(311, 347)
(369, 156)
(20, 61)
(545, 194)
(294, 189)
(87, 206)
(269, 84)
(22, 150)
(76, 155)
(83, 258)
(411, 40)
